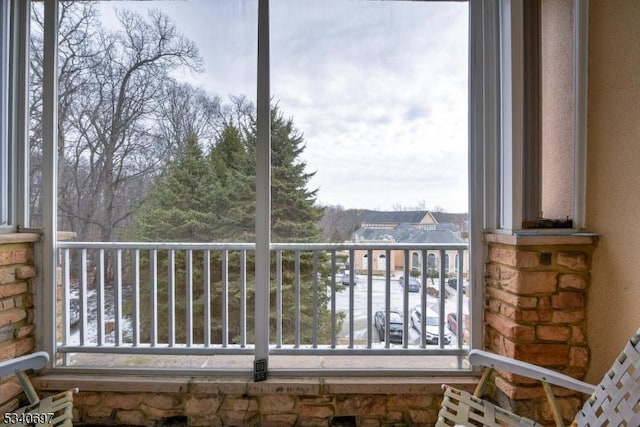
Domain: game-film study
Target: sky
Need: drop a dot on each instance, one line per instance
(378, 89)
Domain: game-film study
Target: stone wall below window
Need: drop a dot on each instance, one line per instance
(235, 401)
(536, 291)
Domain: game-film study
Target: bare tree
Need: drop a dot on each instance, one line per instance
(111, 97)
(76, 49)
(186, 110)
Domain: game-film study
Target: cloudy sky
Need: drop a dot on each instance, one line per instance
(377, 88)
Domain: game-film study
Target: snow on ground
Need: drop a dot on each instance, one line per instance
(342, 305)
(396, 304)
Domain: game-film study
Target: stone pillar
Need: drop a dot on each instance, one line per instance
(17, 329)
(535, 311)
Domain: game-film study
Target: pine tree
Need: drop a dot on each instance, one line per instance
(211, 198)
(232, 169)
(178, 206)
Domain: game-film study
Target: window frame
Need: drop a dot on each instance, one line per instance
(496, 180)
(518, 184)
(5, 170)
(14, 86)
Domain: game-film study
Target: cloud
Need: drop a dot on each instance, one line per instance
(378, 88)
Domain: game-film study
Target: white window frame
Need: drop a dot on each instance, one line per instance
(510, 177)
(5, 171)
(495, 146)
(14, 146)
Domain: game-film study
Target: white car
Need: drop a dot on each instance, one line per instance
(432, 326)
(346, 278)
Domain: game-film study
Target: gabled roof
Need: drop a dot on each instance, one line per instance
(394, 217)
(405, 233)
(450, 218)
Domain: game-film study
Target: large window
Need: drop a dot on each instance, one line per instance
(339, 101)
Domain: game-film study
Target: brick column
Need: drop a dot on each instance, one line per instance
(535, 311)
(17, 329)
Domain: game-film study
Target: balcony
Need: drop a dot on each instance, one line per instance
(127, 300)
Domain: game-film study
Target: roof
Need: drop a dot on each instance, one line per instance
(394, 217)
(405, 233)
(450, 218)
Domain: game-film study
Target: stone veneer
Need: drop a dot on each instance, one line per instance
(235, 401)
(16, 307)
(536, 289)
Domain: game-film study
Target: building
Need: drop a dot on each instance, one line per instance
(412, 227)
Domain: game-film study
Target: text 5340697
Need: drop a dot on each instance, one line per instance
(28, 418)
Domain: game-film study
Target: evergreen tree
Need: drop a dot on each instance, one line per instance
(294, 213)
(211, 198)
(178, 208)
(234, 170)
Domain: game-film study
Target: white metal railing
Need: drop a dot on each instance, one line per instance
(198, 299)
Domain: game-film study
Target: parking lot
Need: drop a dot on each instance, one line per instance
(396, 304)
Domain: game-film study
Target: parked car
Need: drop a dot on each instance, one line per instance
(452, 321)
(346, 278)
(414, 283)
(395, 325)
(452, 324)
(453, 282)
(432, 326)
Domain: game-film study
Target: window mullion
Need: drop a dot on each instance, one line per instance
(512, 113)
(47, 298)
(263, 188)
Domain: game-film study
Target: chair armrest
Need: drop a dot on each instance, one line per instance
(484, 358)
(36, 360)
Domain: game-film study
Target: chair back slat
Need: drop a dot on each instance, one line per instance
(616, 400)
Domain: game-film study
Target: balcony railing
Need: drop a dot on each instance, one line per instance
(198, 299)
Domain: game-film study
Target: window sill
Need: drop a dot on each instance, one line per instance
(242, 385)
(541, 237)
(9, 238)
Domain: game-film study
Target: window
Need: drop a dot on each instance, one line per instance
(496, 177)
(537, 182)
(415, 260)
(382, 262)
(431, 261)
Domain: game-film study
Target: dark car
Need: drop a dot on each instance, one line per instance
(414, 284)
(395, 325)
(453, 282)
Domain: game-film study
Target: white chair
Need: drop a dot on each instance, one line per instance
(613, 402)
(54, 410)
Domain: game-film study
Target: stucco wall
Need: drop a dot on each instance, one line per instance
(557, 63)
(613, 203)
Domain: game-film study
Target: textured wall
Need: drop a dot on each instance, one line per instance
(558, 103)
(16, 308)
(613, 203)
(535, 311)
